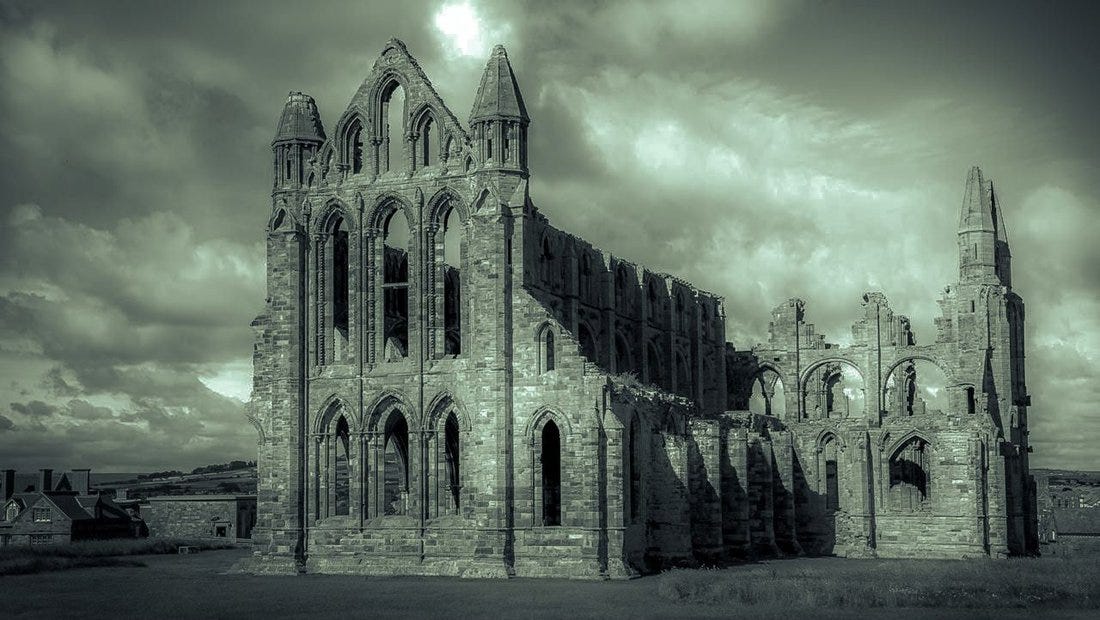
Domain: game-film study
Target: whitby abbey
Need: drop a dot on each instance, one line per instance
(446, 384)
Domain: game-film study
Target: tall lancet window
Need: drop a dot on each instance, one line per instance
(551, 474)
(341, 472)
(396, 466)
(354, 146)
(429, 143)
(395, 286)
(452, 283)
(393, 130)
(336, 292)
(451, 456)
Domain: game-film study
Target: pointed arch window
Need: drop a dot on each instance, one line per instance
(623, 363)
(683, 376)
(584, 276)
(341, 473)
(681, 313)
(451, 458)
(453, 242)
(910, 480)
(550, 460)
(588, 343)
(334, 278)
(546, 260)
(333, 466)
(353, 148)
(620, 287)
(393, 127)
(429, 143)
(396, 466)
(832, 481)
(395, 286)
(653, 364)
(654, 311)
(546, 349)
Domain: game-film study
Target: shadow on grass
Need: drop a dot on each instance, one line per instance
(833, 583)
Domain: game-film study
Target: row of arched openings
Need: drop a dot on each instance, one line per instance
(335, 282)
(908, 472)
(837, 390)
(392, 133)
(338, 454)
(624, 360)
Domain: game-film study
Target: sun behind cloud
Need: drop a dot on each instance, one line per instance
(463, 31)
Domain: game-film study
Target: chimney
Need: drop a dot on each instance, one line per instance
(45, 483)
(9, 483)
(80, 479)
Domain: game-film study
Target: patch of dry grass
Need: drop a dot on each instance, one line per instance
(962, 584)
(25, 559)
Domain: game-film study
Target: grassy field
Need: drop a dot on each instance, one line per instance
(196, 586)
(26, 559)
(1036, 584)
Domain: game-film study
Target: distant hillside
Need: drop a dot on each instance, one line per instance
(1065, 488)
(229, 478)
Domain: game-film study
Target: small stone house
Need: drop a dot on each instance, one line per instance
(201, 516)
(59, 513)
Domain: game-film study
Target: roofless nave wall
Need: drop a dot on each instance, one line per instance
(446, 384)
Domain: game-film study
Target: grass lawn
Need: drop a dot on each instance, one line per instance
(196, 586)
(27, 559)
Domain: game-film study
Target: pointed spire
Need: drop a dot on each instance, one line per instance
(976, 212)
(498, 96)
(997, 216)
(300, 120)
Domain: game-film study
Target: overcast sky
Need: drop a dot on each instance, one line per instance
(760, 150)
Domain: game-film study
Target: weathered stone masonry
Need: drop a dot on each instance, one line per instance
(447, 384)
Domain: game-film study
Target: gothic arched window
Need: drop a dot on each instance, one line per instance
(550, 458)
(395, 286)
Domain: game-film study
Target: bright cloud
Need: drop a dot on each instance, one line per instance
(464, 32)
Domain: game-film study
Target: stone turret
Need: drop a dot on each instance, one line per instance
(299, 135)
(983, 245)
(499, 118)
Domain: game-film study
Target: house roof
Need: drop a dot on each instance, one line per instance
(1077, 520)
(69, 505)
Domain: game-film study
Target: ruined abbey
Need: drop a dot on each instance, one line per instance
(446, 384)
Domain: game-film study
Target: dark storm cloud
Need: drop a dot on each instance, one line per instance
(761, 150)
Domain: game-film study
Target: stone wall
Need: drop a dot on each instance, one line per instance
(200, 516)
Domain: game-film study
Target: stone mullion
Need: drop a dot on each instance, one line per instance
(315, 478)
(536, 479)
(317, 267)
(376, 157)
(431, 479)
(378, 474)
(355, 475)
(370, 292)
(465, 317)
